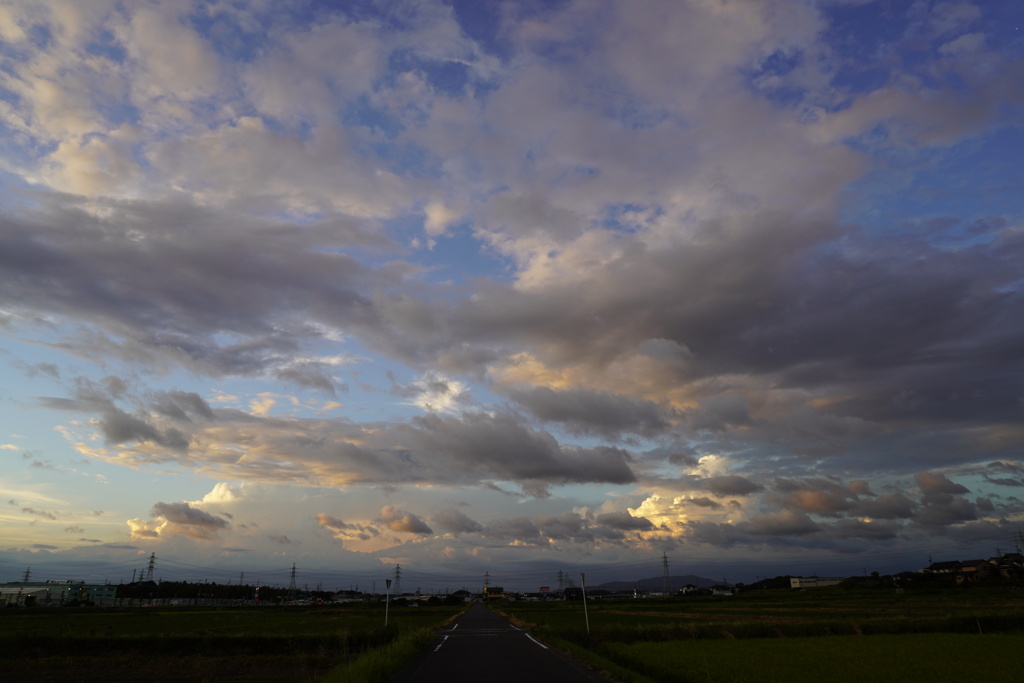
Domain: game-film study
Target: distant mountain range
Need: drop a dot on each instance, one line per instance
(656, 583)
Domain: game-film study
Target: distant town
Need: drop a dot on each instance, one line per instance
(144, 590)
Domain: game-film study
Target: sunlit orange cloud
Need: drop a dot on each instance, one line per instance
(635, 375)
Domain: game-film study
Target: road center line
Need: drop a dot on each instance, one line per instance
(440, 644)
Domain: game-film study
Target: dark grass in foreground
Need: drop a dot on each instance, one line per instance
(265, 644)
(792, 636)
(908, 658)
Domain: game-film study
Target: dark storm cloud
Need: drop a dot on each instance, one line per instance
(498, 446)
(816, 495)
(719, 412)
(704, 502)
(954, 510)
(886, 506)
(730, 485)
(856, 529)
(783, 523)
(588, 412)
(624, 521)
(937, 486)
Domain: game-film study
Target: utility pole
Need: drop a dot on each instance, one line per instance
(583, 585)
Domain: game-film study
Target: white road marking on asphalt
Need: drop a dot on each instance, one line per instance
(440, 644)
(535, 640)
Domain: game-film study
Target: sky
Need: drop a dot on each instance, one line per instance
(506, 289)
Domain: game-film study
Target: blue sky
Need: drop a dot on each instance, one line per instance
(510, 287)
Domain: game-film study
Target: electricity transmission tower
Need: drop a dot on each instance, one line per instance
(291, 585)
(150, 567)
(666, 581)
(398, 579)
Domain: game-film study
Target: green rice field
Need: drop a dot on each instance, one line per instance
(196, 644)
(792, 636)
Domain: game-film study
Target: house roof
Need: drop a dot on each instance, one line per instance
(939, 566)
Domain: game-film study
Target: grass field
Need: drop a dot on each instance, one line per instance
(932, 657)
(817, 635)
(821, 635)
(185, 644)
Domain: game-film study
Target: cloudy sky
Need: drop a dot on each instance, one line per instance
(509, 287)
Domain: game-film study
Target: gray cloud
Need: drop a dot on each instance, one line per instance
(344, 529)
(784, 523)
(886, 506)
(187, 520)
(455, 521)
(498, 446)
(705, 502)
(521, 529)
(400, 520)
(730, 485)
(624, 521)
(936, 485)
(182, 405)
(119, 428)
(588, 412)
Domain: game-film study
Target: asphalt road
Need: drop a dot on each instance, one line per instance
(482, 647)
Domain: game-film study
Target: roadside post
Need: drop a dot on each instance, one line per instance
(387, 599)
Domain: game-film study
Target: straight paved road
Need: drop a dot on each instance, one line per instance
(482, 647)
